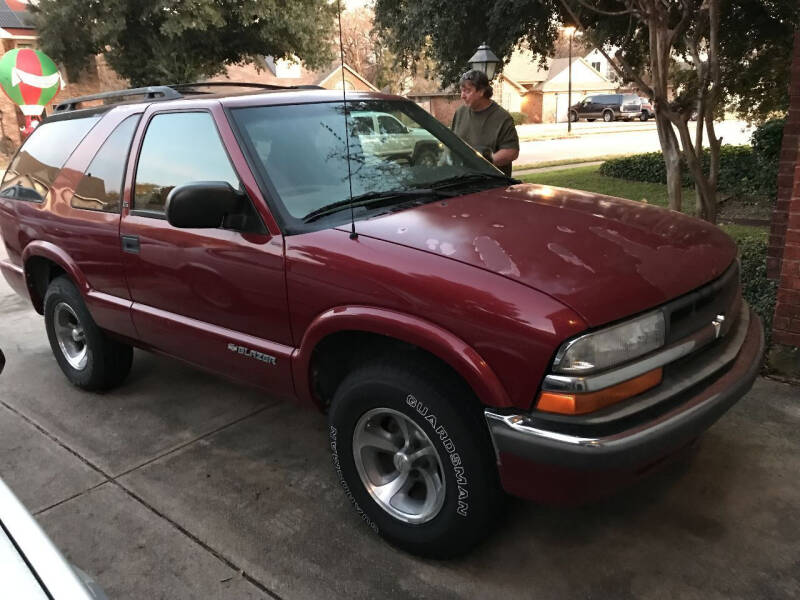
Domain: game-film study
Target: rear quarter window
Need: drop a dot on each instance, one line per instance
(101, 186)
(38, 162)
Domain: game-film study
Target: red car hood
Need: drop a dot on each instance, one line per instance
(604, 257)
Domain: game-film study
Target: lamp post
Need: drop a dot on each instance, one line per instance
(484, 60)
(570, 31)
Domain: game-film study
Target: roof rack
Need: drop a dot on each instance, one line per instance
(264, 86)
(153, 92)
(168, 92)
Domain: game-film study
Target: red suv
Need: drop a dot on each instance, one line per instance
(465, 333)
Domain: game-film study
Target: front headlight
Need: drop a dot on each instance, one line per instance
(611, 346)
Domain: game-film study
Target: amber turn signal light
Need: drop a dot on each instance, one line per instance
(579, 404)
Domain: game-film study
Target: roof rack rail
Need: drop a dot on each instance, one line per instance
(168, 92)
(153, 92)
(244, 84)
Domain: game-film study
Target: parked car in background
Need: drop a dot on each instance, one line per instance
(608, 107)
(648, 112)
(384, 136)
(466, 334)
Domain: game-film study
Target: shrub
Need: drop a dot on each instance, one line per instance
(740, 171)
(519, 118)
(766, 140)
(758, 291)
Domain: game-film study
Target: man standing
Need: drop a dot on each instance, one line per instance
(484, 124)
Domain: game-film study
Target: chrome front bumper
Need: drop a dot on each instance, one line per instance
(695, 392)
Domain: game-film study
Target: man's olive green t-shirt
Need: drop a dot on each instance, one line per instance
(490, 129)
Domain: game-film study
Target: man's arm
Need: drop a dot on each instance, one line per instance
(505, 156)
(508, 143)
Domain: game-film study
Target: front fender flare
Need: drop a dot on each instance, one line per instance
(443, 344)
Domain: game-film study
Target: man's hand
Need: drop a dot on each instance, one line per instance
(505, 156)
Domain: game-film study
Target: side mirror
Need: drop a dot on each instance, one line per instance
(203, 204)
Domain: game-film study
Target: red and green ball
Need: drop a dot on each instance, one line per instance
(30, 79)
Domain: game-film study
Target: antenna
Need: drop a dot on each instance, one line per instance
(353, 234)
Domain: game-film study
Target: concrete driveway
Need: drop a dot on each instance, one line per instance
(183, 485)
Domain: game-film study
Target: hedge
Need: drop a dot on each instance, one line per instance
(757, 290)
(519, 118)
(740, 171)
(744, 170)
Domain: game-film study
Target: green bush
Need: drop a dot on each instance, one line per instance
(757, 290)
(519, 118)
(766, 140)
(741, 172)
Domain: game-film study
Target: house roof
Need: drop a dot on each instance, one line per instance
(262, 74)
(14, 13)
(584, 76)
(524, 68)
(352, 71)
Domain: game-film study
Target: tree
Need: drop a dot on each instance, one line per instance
(359, 41)
(170, 41)
(650, 37)
(756, 56)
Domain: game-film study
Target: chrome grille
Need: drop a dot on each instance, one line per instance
(699, 308)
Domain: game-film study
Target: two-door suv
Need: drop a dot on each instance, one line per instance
(465, 333)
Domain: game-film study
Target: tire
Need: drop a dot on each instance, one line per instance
(427, 157)
(88, 357)
(644, 116)
(608, 116)
(573, 116)
(396, 401)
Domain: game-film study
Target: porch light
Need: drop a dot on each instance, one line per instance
(484, 60)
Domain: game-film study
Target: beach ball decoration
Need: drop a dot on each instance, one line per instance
(30, 79)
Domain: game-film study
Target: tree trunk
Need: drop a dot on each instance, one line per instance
(706, 193)
(672, 160)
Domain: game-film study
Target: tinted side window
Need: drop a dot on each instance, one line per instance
(101, 186)
(390, 125)
(36, 165)
(363, 126)
(179, 148)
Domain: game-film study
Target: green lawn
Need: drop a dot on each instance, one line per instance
(588, 179)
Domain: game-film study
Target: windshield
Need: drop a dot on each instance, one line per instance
(302, 153)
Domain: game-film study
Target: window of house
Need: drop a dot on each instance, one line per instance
(179, 148)
(596, 66)
(101, 186)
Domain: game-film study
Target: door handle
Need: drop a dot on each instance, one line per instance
(130, 244)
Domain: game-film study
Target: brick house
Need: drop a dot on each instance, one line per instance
(290, 73)
(783, 258)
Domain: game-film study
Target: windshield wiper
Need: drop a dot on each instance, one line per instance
(473, 177)
(373, 200)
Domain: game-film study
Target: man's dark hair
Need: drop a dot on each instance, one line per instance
(479, 80)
